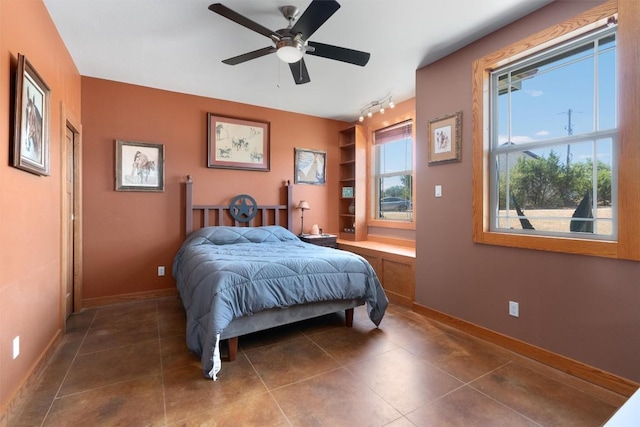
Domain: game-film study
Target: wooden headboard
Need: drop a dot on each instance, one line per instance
(221, 214)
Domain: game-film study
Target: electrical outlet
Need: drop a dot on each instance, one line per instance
(161, 270)
(514, 309)
(16, 347)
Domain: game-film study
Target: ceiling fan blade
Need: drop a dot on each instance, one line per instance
(249, 55)
(343, 54)
(223, 10)
(300, 73)
(315, 15)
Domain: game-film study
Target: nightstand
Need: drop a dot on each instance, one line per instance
(328, 240)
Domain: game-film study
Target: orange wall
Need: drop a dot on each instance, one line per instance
(128, 234)
(30, 205)
(585, 308)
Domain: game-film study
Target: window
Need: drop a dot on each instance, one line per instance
(392, 177)
(554, 139)
(593, 142)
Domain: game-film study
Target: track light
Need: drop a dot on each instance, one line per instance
(376, 105)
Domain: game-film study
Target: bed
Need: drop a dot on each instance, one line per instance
(240, 270)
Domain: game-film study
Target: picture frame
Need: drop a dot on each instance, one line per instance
(347, 192)
(139, 166)
(235, 143)
(310, 166)
(445, 136)
(31, 147)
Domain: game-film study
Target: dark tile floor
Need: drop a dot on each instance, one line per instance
(128, 365)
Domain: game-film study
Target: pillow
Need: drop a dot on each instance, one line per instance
(226, 235)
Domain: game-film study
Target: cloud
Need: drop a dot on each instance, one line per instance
(542, 133)
(516, 139)
(534, 93)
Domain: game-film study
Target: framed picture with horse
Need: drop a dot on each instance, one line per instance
(31, 120)
(139, 166)
(234, 143)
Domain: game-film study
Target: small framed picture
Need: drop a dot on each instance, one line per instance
(310, 166)
(445, 135)
(347, 191)
(31, 121)
(235, 143)
(139, 166)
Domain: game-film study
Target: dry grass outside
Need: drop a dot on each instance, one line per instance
(397, 216)
(558, 220)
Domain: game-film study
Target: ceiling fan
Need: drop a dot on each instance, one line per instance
(291, 43)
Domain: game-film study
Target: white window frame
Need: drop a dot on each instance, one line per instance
(497, 150)
(375, 175)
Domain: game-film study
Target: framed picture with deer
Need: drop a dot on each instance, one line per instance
(31, 120)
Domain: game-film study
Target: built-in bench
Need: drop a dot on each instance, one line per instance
(394, 264)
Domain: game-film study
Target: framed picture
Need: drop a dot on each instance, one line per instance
(237, 143)
(139, 166)
(31, 120)
(310, 166)
(347, 191)
(445, 135)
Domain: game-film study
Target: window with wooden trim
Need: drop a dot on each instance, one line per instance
(555, 162)
(554, 135)
(392, 173)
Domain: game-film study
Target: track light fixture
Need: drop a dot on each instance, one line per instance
(377, 105)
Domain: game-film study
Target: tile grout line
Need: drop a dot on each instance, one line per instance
(86, 332)
(469, 384)
(267, 388)
(164, 394)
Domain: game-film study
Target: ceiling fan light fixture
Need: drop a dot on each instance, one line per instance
(289, 50)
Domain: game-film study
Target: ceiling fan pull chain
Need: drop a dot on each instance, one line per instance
(278, 73)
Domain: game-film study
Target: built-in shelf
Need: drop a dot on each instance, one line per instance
(352, 220)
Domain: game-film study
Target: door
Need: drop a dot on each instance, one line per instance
(70, 176)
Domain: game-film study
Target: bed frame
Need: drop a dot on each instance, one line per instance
(208, 215)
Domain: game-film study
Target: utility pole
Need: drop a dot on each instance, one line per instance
(569, 129)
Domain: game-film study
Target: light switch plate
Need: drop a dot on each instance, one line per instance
(514, 309)
(438, 190)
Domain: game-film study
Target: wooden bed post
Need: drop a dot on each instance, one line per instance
(289, 206)
(348, 314)
(188, 205)
(233, 348)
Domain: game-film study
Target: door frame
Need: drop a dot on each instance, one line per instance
(70, 122)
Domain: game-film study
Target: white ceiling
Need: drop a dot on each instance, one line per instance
(178, 45)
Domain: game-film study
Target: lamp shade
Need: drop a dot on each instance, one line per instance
(304, 205)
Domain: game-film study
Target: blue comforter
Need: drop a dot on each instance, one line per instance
(224, 273)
